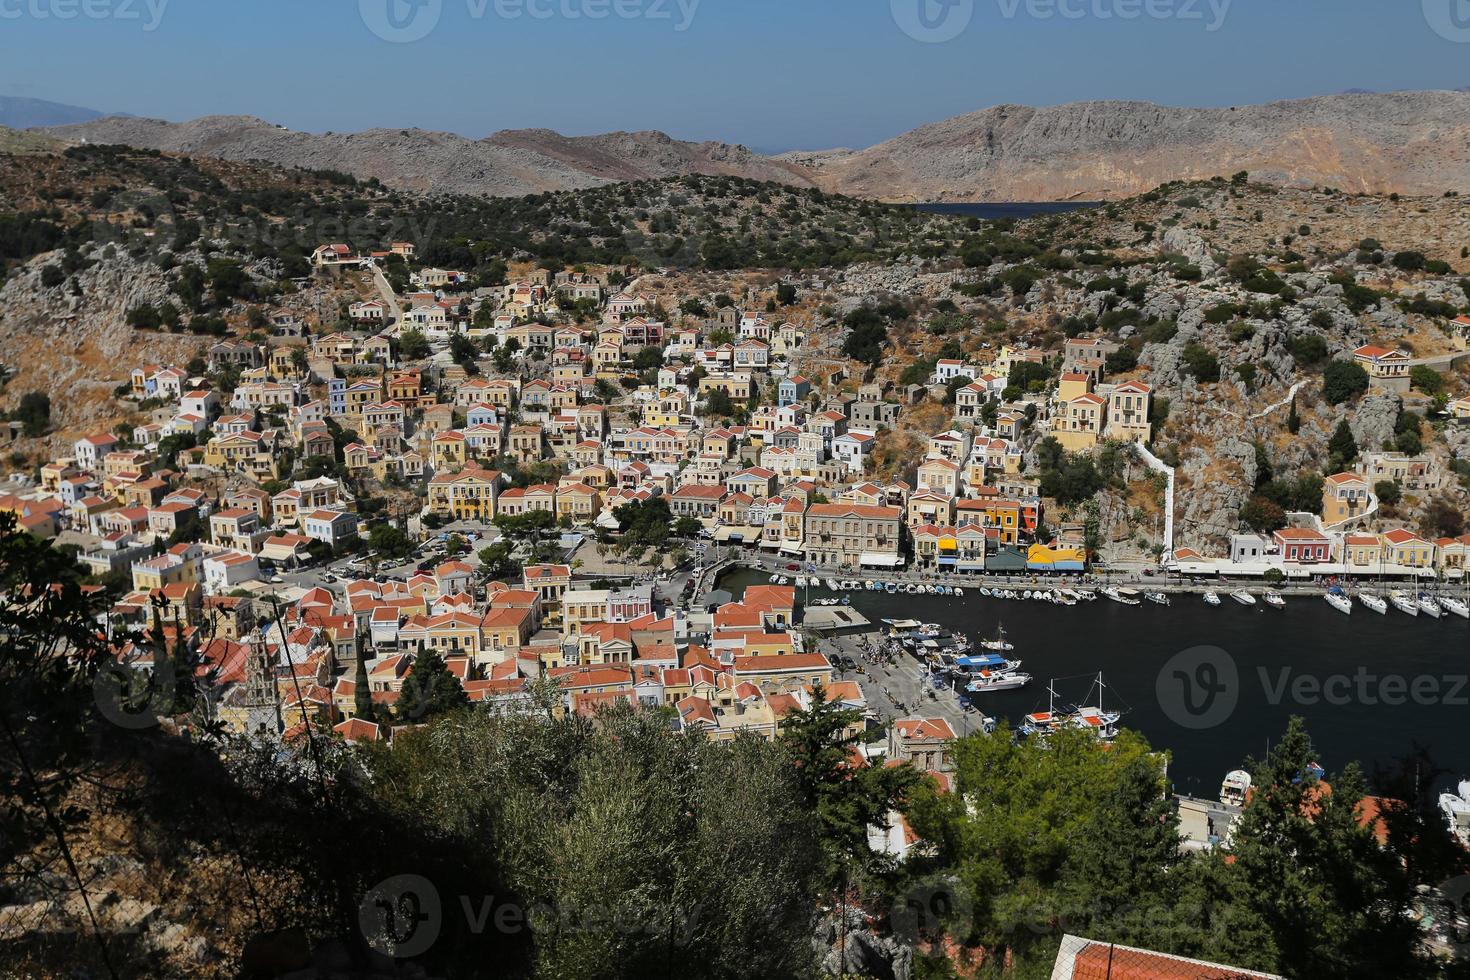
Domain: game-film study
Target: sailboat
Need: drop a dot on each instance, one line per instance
(1096, 719)
(1404, 602)
(1338, 600)
(1373, 602)
(1000, 644)
(1455, 606)
(1428, 606)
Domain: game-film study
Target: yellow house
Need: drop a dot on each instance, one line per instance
(737, 386)
(1362, 551)
(467, 495)
(1408, 549)
(1344, 496)
(227, 452)
(1079, 422)
(450, 451)
(1128, 411)
(578, 501)
(1073, 385)
(996, 512)
(1386, 367)
(583, 606)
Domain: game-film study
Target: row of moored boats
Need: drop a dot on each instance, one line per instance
(854, 585)
(1401, 600)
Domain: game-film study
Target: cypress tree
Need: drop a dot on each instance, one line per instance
(361, 693)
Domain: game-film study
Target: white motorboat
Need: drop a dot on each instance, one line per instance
(985, 591)
(1236, 787)
(1455, 606)
(959, 593)
(989, 680)
(1404, 602)
(1274, 600)
(1429, 607)
(1128, 597)
(831, 585)
(1158, 598)
(1456, 810)
(1086, 595)
(1212, 598)
(1340, 602)
(1373, 602)
(1243, 597)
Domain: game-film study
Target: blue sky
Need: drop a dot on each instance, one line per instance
(775, 74)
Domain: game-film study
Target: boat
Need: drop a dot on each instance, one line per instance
(1128, 597)
(987, 680)
(1102, 723)
(831, 585)
(978, 662)
(1373, 602)
(1403, 602)
(891, 588)
(1274, 600)
(1038, 723)
(959, 592)
(1212, 598)
(1339, 601)
(1456, 810)
(1455, 606)
(1086, 595)
(1243, 597)
(1428, 606)
(1000, 643)
(1157, 598)
(1235, 788)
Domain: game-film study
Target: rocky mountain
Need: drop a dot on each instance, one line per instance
(510, 163)
(1410, 142)
(21, 113)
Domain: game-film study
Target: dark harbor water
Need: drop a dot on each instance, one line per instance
(1212, 684)
(1014, 209)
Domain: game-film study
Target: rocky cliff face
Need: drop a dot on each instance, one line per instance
(1410, 142)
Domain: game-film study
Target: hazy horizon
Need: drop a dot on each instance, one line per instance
(805, 74)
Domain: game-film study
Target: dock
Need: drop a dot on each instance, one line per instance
(833, 619)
